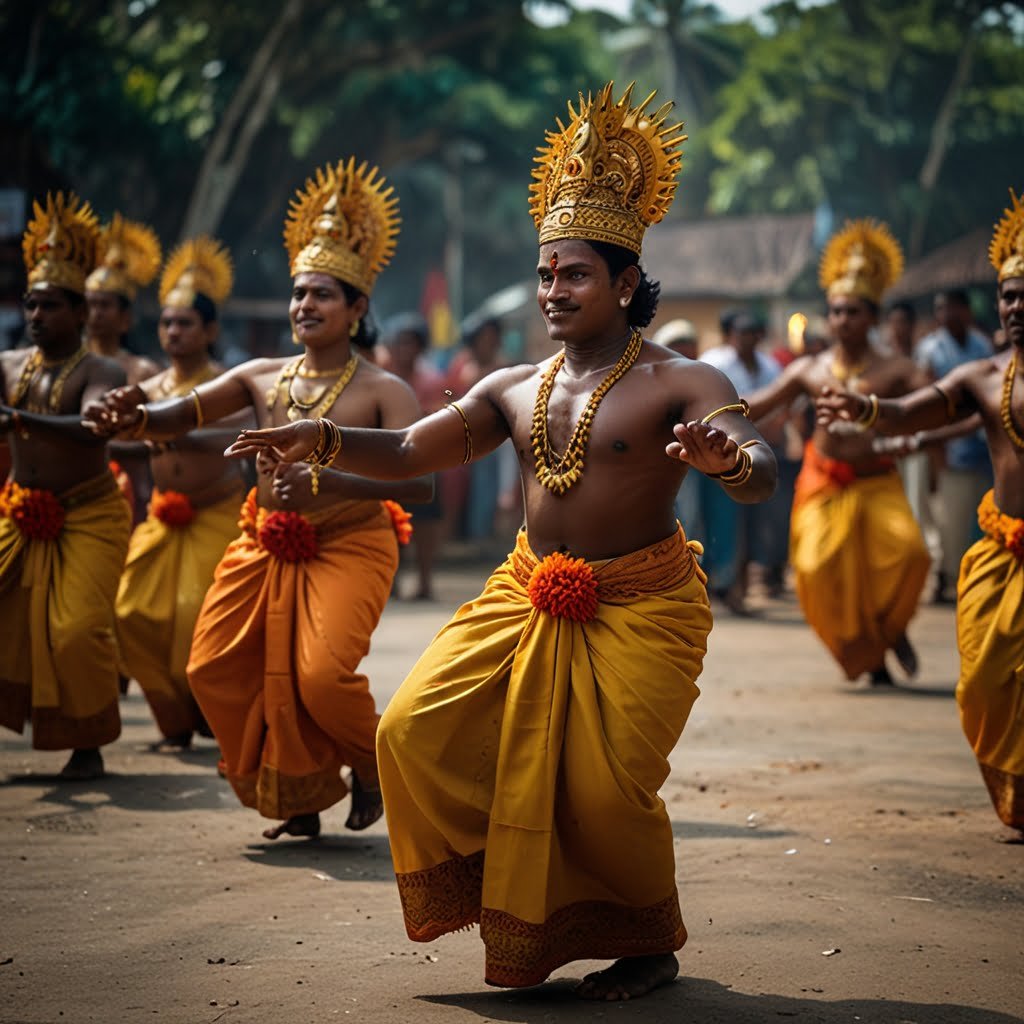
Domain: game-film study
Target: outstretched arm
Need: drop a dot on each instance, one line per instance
(444, 439)
(927, 408)
(782, 392)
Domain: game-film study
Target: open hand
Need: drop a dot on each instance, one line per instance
(291, 443)
(706, 448)
(844, 406)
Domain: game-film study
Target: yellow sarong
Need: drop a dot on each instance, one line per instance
(859, 560)
(275, 657)
(990, 693)
(521, 760)
(58, 656)
(168, 572)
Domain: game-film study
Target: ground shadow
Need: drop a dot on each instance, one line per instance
(344, 858)
(904, 690)
(143, 792)
(719, 830)
(709, 1002)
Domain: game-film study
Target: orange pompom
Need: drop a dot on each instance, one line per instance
(289, 536)
(123, 481)
(1006, 530)
(38, 514)
(172, 508)
(564, 587)
(400, 520)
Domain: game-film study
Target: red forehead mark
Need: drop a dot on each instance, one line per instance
(554, 261)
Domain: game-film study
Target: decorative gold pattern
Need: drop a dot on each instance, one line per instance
(129, 258)
(344, 223)
(171, 386)
(863, 260)
(1006, 405)
(198, 266)
(60, 243)
(1006, 250)
(318, 406)
(442, 899)
(276, 795)
(33, 365)
(556, 472)
(609, 174)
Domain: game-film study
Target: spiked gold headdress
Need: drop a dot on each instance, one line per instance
(198, 266)
(344, 224)
(60, 241)
(609, 174)
(863, 259)
(1006, 250)
(129, 257)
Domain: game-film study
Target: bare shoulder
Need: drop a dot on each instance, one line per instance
(104, 370)
(382, 381)
(259, 367)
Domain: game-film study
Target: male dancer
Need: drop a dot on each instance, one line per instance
(990, 595)
(276, 651)
(193, 511)
(63, 524)
(858, 556)
(522, 758)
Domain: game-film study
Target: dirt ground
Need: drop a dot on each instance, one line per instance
(838, 861)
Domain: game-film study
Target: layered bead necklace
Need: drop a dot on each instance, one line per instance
(1005, 407)
(171, 387)
(557, 472)
(321, 403)
(36, 363)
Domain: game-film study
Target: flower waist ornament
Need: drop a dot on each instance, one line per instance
(400, 520)
(564, 587)
(172, 508)
(1004, 529)
(289, 536)
(38, 514)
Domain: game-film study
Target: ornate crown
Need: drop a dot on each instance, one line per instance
(344, 224)
(1006, 250)
(129, 257)
(609, 175)
(198, 266)
(863, 259)
(60, 242)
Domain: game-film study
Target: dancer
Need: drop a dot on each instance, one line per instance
(521, 759)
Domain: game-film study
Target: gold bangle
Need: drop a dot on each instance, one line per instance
(314, 479)
(199, 408)
(740, 473)
(467, 452)
(741, 407)
(868, 418)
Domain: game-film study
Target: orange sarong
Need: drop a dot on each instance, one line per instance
(277, 647)
(990, 635)
(57, 650)
(169, 568)
(859, 560)
(521, 760)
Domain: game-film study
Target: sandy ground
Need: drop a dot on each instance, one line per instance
(810, 816)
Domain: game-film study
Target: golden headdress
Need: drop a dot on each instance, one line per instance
(198, 266)
(609, 174)
(863, 259)
(344, 224)
(129, 257)
(1006, 250)
(60, 241)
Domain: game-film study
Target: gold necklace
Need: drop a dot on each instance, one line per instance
(321, 403)
(33, 365)
(1005, 407)
(844, 372)
(557, 472)
(167, 389)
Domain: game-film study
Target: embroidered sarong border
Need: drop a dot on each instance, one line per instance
(276, 795)
(443, 898)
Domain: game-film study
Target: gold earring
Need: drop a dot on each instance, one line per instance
(624, 301)
(295, 338)
(354, 329)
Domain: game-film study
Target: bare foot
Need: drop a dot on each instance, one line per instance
(172, 744)
(367, 806)
(880, 677)
(629, 978)
(307, 825)
(906, 656)
(83, 765)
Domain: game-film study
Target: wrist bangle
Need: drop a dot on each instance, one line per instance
(140, 427)
(869, 416)
(199, 408)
